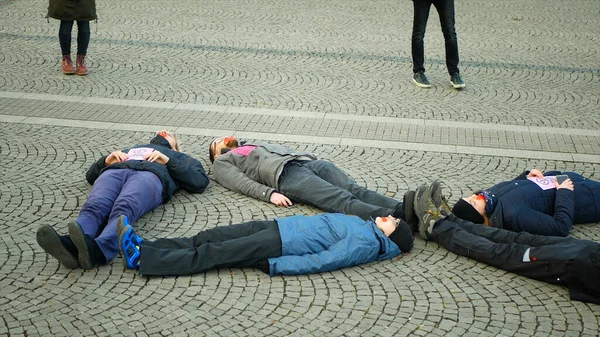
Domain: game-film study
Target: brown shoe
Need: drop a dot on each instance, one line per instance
(81, 67)
(67, 65)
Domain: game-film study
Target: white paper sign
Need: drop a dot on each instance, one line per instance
(545, 183)
(138, 153)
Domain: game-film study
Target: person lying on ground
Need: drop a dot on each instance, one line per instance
(558, 260)
(130, 182)
(282, 176)
(292, 245)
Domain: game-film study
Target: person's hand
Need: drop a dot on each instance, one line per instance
(115, 157)
(156, 156)
(566, 184)
(280, 200)
(535, 173)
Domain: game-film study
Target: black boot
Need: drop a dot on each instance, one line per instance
(406, 211)
(59, 247)
(89, 253)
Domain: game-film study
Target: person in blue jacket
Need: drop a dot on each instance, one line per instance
(522, 205)
(292, 245)
(131, 182)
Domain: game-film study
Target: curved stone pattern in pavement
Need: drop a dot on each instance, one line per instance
(526, 65)
(427, 292)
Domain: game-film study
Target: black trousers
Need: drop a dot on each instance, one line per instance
(83, 36)
(445, 9)
(549, 257)
(248, 244)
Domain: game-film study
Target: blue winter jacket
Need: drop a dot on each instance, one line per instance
(181, 171)
(523, 206)
(329, 241)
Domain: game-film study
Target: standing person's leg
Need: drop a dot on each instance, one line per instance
(83, 41)
(242, 245)
(548, 263)
(445, 10)
(141, 193)
(299, 183)
(421, 15)
(64, 38)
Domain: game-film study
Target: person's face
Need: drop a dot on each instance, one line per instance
(170, 137)
(221, 143)
(387, 224)
(476, 202)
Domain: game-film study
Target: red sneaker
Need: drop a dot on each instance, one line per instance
(67, 65)
(81, 67)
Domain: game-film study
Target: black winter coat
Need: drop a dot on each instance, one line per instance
(180, 172)
(522, 206)
(69, 10)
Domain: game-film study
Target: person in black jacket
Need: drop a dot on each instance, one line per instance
(558, 260)
(131, 182)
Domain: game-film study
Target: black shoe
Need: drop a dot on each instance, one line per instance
(439, 200)
(89, 254)
(426, 211)
(60, 247)
(457, 81)
(409, 211)
(420, 80)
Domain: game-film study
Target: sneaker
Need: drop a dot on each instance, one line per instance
(129, 243)
(89, 253)
(457, 81)
(409, 211)
(59, 247)
(426, 211)
(81, 66)
(67, 65)
(439, 200)
(420, 80)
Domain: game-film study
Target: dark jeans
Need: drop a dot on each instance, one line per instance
(118, 192)
(243, 245)
(550, 257)
(83, 36)
(322, 184)
(445, 9)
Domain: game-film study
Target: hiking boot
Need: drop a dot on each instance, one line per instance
(129, 243)
(59, 247)
(439, 200)
(67, 65)
(420, 80)
(89, 253)
(409, 211)
(426, 211)
(457, 81)
(81, 67)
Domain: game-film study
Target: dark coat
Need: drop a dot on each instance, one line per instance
(69, 10)
(521, 205)
(181, 171)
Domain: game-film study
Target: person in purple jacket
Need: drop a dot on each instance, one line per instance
(131, 182)
(543, 208)
(292, 245)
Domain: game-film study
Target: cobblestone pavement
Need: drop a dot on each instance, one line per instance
(329, 77)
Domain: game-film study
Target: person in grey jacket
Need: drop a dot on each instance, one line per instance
(274, 173)
(292, 245)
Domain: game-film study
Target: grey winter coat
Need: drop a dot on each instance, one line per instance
(256, 174)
